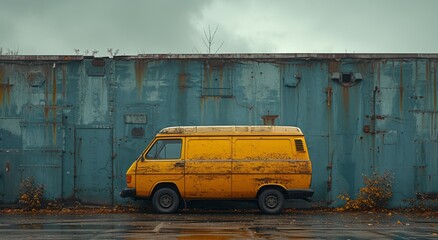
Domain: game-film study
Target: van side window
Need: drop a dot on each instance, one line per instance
(165, 149)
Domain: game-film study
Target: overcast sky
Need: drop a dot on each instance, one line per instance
(57, 27)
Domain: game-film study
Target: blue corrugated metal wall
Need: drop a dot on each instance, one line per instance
(76, 124)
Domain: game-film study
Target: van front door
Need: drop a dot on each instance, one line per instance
(208, 168)
(163, 162)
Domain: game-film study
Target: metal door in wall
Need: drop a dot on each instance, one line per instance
(93, 166)
(133, 131)
(10, 153)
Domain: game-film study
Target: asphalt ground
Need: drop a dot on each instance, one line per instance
(97, 223)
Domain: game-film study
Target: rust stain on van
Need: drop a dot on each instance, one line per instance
(266, 180)
(258, 168)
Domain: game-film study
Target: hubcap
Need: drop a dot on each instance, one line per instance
(165, 201)
(271, 201)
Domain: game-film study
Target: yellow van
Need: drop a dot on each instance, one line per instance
(265, 163)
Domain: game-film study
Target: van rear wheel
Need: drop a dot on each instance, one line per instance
(165, 200)
(271, 201)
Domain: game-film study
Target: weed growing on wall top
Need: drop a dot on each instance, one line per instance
(31, 196)
(375, 193)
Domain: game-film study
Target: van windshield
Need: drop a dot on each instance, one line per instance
(165, 149)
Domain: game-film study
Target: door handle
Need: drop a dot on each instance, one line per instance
(179, 164)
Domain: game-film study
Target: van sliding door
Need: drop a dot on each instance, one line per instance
(208, 168)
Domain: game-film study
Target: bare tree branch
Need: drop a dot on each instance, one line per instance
(219, 47)
(209, 39)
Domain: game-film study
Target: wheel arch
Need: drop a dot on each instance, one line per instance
(166, 185)
(272, 186)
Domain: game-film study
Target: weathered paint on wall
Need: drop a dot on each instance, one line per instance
(76, 124)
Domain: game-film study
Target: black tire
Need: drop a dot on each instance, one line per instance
(165, 200)
(271, 201)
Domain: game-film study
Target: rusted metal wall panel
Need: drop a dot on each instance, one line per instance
(93, 126)
(425, 120)
(31, 129)
(350, 151)
(360, 112)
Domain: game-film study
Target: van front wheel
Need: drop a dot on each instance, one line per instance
(165, 200)
(271, 201)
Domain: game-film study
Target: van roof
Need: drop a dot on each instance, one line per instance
(232, 130)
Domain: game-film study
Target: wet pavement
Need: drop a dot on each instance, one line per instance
(220, 225)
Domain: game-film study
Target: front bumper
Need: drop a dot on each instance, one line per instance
(300, 194)
(128, 192)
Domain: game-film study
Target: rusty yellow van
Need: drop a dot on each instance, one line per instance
(265, 163)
